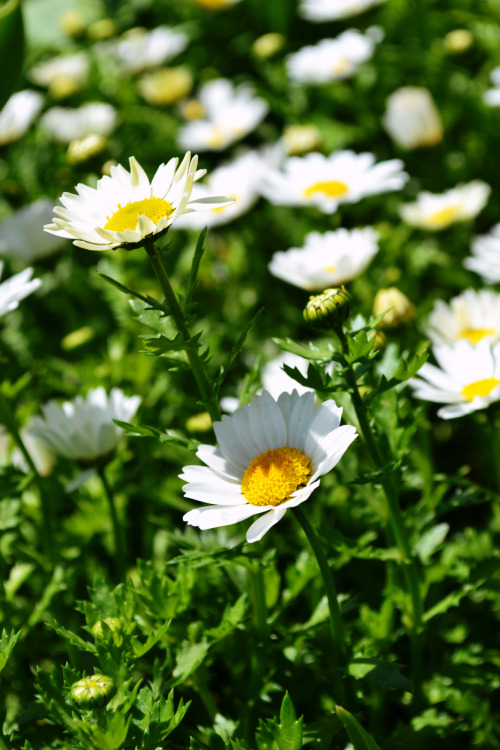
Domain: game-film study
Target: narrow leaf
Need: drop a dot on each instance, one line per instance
(358, 736)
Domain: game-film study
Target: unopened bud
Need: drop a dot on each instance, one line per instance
(63, 86)
(166, 85)
(94, 691)
(396, 306)
(73, 23)
(302, 139)
(199, 422)
(104, 28)
(109, 627)
(458, 41)
(330, 309)
(267, 45)
(82, 149)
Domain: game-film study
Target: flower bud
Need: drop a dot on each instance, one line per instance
(199, 422)
(458, 41)
(330, 309)
(63, 86)
(104, 28)
(73, 23)
(301, 139)
(412, 118)
(82, 149)
(267, 45)
(113, 629)
(166, 85)
(396, 306)
(93, 691)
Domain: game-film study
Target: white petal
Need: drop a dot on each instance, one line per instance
(262, 525)
(211, 518)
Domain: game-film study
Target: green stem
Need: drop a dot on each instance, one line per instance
(339, 652)
(197, 367)
(259, 601)
(117, 528)
(495, 458)
(205, 694)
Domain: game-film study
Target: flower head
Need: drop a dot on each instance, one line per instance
(271, 456)
(65, 124)
(126, 209)
(438, 211)
(330, 309)
(73, 68)
(412, 119)
(332, 10)
(485, 258)
(16, 288)
(138, 49)
(18, 114)
(472, 316)
(22, 236)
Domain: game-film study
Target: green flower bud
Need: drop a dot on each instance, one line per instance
(113, 629)
(93, 691)
(329, 309)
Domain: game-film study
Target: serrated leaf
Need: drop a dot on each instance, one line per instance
(7, 643)
(140, 649)
(231, 618)
(376, 477)
(307, 352)
(360, 346)
(287, 735)
(73, 638)
(151, 302)
(385, 674)
(160, 345)
(358, 736)
(410, 365)
(159, 717)
(189, 657)
(11, 47)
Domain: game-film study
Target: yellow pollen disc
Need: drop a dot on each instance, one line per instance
(340, 66)
(480, 388)
(474, 335)
(127, 216)
(217, 137)
(273, 476)
(445, 217)
(329, 269)
(221, 209)
(331, 188)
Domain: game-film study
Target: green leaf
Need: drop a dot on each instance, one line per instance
(11, 47)
(308, 352)
(360, 346)
(287, 735)
(193, 273)
(236, 349)
(385, 674)
(151, 302)
(410, 365)
(158, 717)
(7, 643)
(377, 477)
(140, 649)
(358, 736)
(189, 657)
(232, 617)
(161, 345)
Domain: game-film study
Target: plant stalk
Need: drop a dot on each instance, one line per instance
(119, 542)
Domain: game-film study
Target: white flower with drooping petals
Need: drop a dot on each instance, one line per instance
(66, 124)
(434, 211)
(16, 288)
(139, 50)
(327, 181)
(22, 236)
(332, 10)
(467, 379)
(271, 456)
(75, 67)
(11, 455)
(18, 114)
(492, 96)
(83, 429)
(485, 259)
(412, 118)
(126, 209)
(326, 260)
(472, 315)
(332, 59)
(230, 113)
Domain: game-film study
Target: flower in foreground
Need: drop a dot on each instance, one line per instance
(327, 181)
(126, 209)
(467, 379)
(16, 288)
(485, 259)
(83, 429)
(21, 234)
(472, 315)
(412, 119)
(331, 10)
(326, 260)
(271, 456)
(18, 114)
(438, 211)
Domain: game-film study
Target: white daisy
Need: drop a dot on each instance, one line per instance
(75, 67)
(326, 260)
(485, 258)
(22, 236)
(125, 208)
(326, 181)
(331, 59)
(276, 381)
(332, 10)
(67, 124)
(18, 114)
(230, 113)
(468, 378)
(16, 288)
(472, 315)
(412, 119)
(492, 96)
(438, 211)
(83, 429)
(11, 455)
(271, 456)
(138, 49)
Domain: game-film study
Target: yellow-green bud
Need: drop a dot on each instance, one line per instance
(267, 45)
(73, 23)
(104, 28)
(329, 309)
(301, 139)
(166, 86)
(396, 306)
(458, 41)
(93, 691)
(199, 422)
(113, 629)
(82, 149)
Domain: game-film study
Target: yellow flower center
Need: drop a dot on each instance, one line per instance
(479, 388)
(329, 269)
(340, 66)
(445, 217)
(474, 335)
(126, 217)
(275, 475)
(330, 188)
(217, 137)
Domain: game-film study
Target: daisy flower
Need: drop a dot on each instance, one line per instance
(126, 209)
(326, 181)
(467, 379)
(18, 114)
(438, 211)
(138, 49)
(326, 260)
(332, 10)
(16, 288)
(332, 59)
(485, 258)
(271, 456)
(230, 113)
(492, 96)
(472, 316)
(412, 119)
(22, 236)
(75, 67)
(83, 429)
(67, 124)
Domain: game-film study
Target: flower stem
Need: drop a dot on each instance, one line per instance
(197, 366)
(117, 528)
(259, 601)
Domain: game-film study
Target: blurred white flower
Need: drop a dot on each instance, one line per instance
(138, 49)
(18, 114)
(230, 113)
(66, 125)
(16, 288)
(326, 260)
(412, 119)
(22, 236)
(271, 457)
(467, 379)
(492, 96)
(331, 10)
(472, 315)
(332, 59)
(83, 429)
(438, 211)
(10, 454)
(485, 259)
(327, 181)
(126, 208)
(75, 67)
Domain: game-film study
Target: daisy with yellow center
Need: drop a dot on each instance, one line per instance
(270, 457)
(467, 379)
(126, 209)
(438, 211)
(472, 315)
